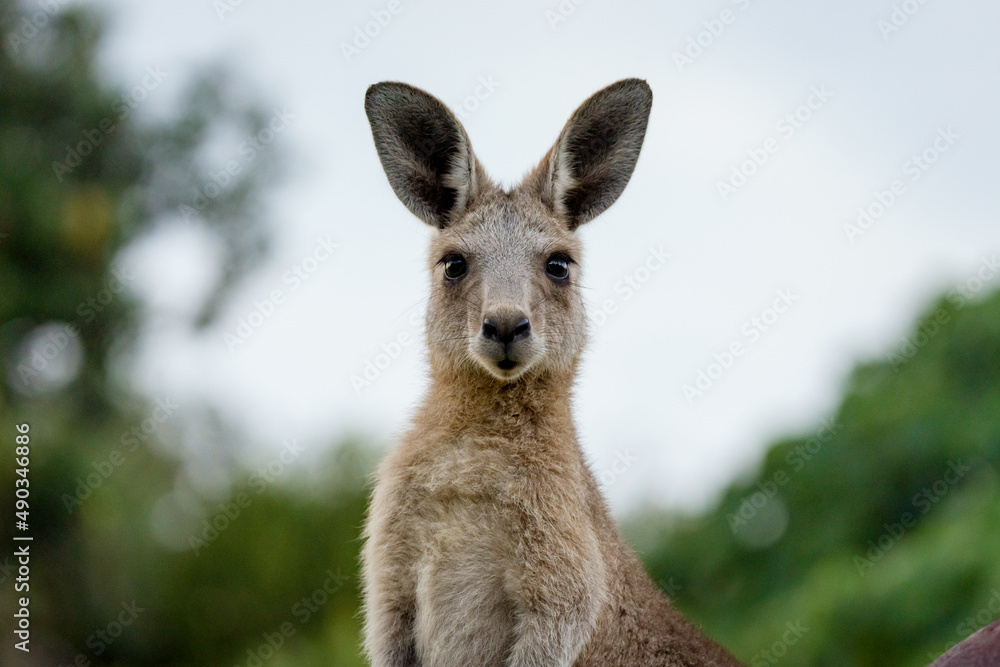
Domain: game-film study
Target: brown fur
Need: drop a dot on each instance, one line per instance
(488, 540)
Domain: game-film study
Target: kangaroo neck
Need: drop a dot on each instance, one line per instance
(534, 404)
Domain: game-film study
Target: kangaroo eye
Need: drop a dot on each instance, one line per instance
(558, 267)
(455, 267)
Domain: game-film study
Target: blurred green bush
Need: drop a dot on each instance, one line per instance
(880, 531)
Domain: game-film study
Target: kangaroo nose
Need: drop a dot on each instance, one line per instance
(506, 330)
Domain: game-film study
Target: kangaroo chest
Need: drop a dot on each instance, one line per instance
(463, 527)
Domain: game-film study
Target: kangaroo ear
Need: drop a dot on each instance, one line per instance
(593, 158)
(424, 151)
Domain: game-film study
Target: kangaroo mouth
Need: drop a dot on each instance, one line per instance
(506, 362)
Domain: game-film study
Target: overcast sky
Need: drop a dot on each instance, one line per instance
(772, 124)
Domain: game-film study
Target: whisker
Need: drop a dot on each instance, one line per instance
(426, 298)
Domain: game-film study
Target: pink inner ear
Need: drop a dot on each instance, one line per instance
(981, 649)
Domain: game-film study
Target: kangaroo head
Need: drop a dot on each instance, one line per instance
(505, 290)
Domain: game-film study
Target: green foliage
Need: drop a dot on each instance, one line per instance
(202, 577)
(878, 531)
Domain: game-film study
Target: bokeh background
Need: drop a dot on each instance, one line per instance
(211, 311)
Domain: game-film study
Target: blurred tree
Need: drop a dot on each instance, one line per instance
(880, 531)
(129, 564)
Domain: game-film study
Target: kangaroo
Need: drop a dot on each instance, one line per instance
(488, 541)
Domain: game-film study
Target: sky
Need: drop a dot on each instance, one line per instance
(812, 175)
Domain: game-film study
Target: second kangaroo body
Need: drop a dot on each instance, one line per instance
(488, 541)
